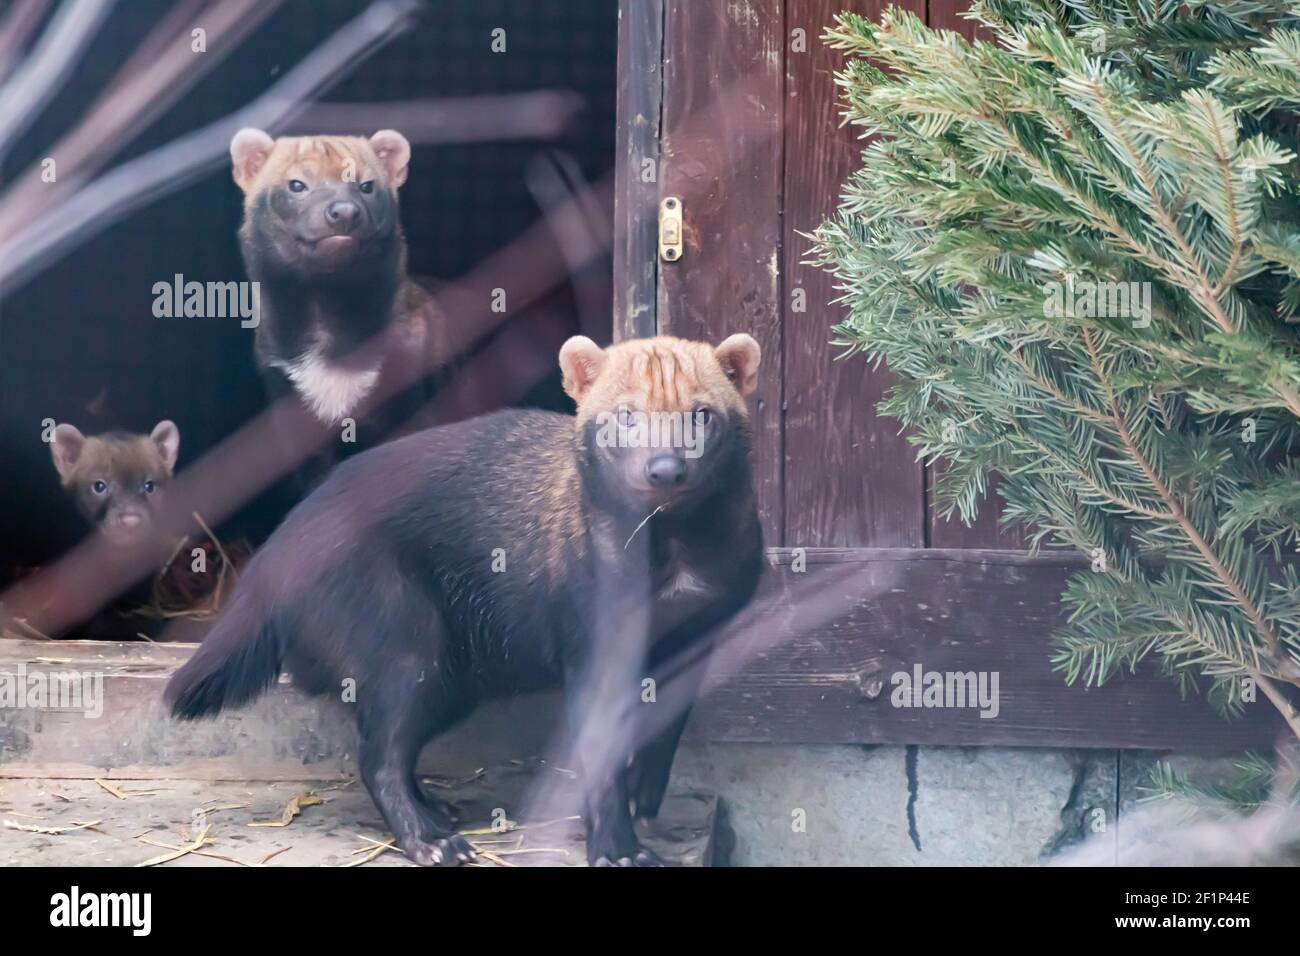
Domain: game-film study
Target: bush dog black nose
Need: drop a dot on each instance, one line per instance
(342, 213)
(665, 470)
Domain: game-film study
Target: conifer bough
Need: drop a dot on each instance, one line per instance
(1076, 244)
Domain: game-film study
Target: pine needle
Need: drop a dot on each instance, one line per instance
(49, 831)
(291, 810)
(198, 843)
(105, 785)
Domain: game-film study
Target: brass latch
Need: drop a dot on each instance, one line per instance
(670, 229)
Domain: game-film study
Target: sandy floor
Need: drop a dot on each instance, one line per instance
(160, 817)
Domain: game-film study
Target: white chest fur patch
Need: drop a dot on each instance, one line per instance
(684, 584)
(330, 392)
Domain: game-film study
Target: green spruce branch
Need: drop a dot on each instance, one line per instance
(1136, 144)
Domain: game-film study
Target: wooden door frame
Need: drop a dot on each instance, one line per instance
(636, 198)
(818, 661)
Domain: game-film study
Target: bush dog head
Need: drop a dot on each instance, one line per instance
(662, 422)
(117, 479)
(317, 205)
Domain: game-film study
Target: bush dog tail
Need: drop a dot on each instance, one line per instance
(238, 660)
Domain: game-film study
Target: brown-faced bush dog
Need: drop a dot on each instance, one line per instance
(338, 313)
(509, 552)
(117, 479)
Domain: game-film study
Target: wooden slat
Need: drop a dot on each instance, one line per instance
(816, 641)
(850, 478)
(796, 667)
(983, 532)
(636, 201)
(946, 15)
(721, 149)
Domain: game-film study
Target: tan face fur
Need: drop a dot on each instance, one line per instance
(662, 420)
(319, 205)
(660, 374)
(259, 162)
(117, 479)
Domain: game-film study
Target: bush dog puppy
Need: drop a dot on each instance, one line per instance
(510, 552)
(117, 479)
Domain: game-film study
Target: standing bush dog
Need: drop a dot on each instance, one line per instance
(323, 239)
(510, 552)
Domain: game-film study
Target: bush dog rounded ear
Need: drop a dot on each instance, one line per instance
(581, 360)
(394, 153)
(249, 149)
(168, 439)
(739, 356)
(66, 448)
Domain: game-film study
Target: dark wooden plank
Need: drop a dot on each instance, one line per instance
(721, 152)
(798, 666)
(805, 655)
(947, 15)
(636, 201)
(983, 532)
(850, 478)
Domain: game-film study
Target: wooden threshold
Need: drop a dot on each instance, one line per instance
(815, 659)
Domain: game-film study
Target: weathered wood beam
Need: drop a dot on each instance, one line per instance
(812, 660)
(636, 198)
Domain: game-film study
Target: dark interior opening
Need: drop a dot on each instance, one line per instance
(79, 342)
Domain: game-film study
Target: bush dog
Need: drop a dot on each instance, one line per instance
(117, 479)
(338, 313)
(506, 553)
